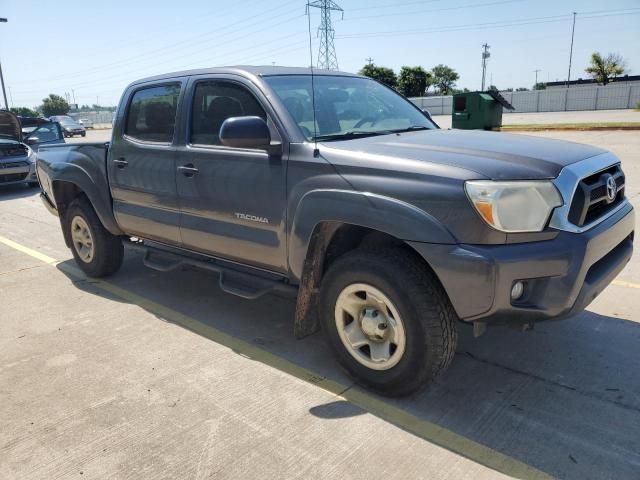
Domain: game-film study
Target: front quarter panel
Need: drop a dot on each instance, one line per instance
(384, 214)
(82, 165)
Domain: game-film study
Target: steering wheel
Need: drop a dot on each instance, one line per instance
(370, 119)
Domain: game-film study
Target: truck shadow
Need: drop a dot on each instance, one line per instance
(12, 192)
(564, 398)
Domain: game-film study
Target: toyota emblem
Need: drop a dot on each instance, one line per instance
(612, 189)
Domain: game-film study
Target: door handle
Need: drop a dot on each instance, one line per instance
(188, 170)
(120, 162)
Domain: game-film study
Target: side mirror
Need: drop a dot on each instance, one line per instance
(31, 140)
(245, 132)
(427, 113)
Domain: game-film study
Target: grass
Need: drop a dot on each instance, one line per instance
(574, 126)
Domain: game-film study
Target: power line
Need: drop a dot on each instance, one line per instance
(496, 24)
(187, 42)
(417, 12)
(327, 58)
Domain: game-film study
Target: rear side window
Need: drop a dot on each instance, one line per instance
(152, 114)
(213, 103)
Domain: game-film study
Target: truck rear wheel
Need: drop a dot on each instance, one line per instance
(96, 251)
(388, 320)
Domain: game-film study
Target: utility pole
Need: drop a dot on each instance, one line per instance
(73, 93)
(573, 29)
(485, 55)
(537, 70)
(4, 93)
(327, 58)
(369, 61)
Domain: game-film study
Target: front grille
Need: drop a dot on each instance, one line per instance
(17, 150)
(14, 164)
(591, 200)
(13, 177)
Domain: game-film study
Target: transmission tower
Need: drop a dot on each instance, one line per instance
(327, 58)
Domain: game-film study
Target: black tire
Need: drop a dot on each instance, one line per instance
(108, 248)
(427, 315)
(83, 134)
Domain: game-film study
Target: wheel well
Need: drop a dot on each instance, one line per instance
(329, 241)
(349, 237)
(65, 193)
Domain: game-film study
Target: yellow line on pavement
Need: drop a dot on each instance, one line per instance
(622, 283)
(375, 405)
(32, 253)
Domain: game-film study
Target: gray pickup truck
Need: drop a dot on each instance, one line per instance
(387, 230)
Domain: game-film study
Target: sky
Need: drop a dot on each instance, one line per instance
(92, 49)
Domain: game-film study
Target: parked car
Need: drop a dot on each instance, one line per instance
(70, 128)
(386, 229)
(20, 138)
(86, 123)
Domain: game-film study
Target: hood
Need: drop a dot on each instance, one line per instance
(10, 128)
(493, 155)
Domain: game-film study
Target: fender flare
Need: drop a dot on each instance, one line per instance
(93, 186)
(378, 212)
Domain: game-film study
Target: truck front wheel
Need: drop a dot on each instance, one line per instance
(388, 320)
(96, 251)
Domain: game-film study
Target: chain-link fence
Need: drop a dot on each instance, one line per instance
(609, 97)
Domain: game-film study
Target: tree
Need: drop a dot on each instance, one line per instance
(603, 69)
(381, 74)
(540, 86)
(444, 78)
(414, 81)
(492, 88)
(522, 89)
(54, 105)
(24, 112)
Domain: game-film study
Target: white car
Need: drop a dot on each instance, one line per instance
(86, 123)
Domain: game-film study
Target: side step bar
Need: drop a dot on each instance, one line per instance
(231, 280)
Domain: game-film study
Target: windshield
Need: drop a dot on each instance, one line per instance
(346, 107)
(68, 122)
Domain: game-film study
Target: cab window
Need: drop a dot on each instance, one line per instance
(216, 101)
(152, 114)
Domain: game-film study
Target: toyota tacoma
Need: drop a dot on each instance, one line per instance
(338, 191)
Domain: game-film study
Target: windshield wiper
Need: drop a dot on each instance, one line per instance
(412, 128)
(350, 134)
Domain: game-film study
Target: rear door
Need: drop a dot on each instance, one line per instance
(142, 162)
(233, 200)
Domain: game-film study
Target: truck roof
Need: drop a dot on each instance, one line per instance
(246, 70)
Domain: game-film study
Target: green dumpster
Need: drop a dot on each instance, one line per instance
(478, 110)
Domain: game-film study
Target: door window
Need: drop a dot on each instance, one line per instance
(152, 114)
(213, 103)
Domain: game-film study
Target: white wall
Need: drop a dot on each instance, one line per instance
(607, 97)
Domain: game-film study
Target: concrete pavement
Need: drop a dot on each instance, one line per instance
(161, 375)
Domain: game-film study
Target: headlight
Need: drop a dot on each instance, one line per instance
(516, 206)
(31, 155)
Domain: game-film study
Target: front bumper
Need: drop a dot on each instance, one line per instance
(562, 276)
(18, 174)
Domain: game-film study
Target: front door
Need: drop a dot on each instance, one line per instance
(142, 164)
(232, 200)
